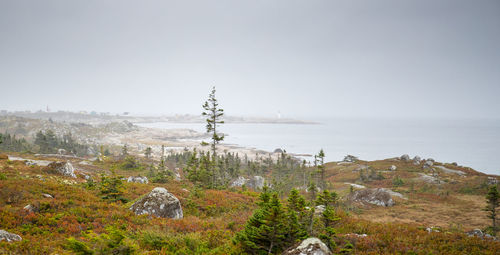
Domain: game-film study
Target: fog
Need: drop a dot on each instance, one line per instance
(422, 58)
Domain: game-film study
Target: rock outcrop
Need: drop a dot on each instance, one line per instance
(416, 160)
(159, 202)
(9, 237)
(61, 168)
(310, 246)
(138, 179)
(255, 182)
(377, 196)
(405, 158)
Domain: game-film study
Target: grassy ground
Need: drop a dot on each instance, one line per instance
(77, 218)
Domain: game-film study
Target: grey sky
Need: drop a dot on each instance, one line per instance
(304, 58)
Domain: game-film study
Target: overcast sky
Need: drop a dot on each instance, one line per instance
(435, 58)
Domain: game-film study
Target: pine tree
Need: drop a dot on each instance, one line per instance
(265, 232)
(296, 216)
(321, 169)
(125, 150)
(493, 200)
(148, 152)
(213, 114)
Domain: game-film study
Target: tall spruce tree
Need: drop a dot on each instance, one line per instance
(493, 201)
(321, 169)
(214, 115)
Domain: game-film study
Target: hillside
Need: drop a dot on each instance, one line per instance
(76, 217)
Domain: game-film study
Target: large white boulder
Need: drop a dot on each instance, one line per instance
(310, 246)
(159, 202)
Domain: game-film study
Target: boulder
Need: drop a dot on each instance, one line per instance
(377, 196)
(159, 202)
(416, 160)
(310, 246)
(29, 208)
(240, 181)
(255, 182)
(393, 168)
(47, 195)
(350, 159)
(62, 168)
(405, 158)
(428, 164)
(138, 179)
(278, 150)
(9, 237)
(492, 180)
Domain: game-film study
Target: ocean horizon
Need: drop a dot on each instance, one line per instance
(471, 143)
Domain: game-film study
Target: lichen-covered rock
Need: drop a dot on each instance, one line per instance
(405, 158)
(255, 182)
(377, 196)
(428, 164)
(310, 246)
(240, 181)
(159, 202)
(138, 179)
(9, 237)
(62, 168)
(416, 160)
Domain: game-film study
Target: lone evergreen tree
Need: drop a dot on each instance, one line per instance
(148, 152)
(493, 200)
(321, 169)
(214, 116)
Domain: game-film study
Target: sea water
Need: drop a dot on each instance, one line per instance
(472, 143)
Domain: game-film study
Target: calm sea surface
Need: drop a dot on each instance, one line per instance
(470, 143)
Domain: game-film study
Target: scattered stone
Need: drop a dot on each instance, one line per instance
(29, 208)
(62, 168)
(376, 196)
(356, 235)
(310, 246)
(350, 159)
(85, 163)
(255, 182)
(405, 158)
(416, 160)
(393, 168)
(138, 179)
(480, 234)
(433, 229)
(492, 180)
(240, 181)
(450, 171)
(360, 167)
(47, 195)
(9, 237)
(428, 164)
(357, 186)
(429, 179)
(160, 203)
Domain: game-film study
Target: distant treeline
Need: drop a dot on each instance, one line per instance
(45, 142)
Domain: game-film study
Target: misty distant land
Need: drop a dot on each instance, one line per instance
(94, 117)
